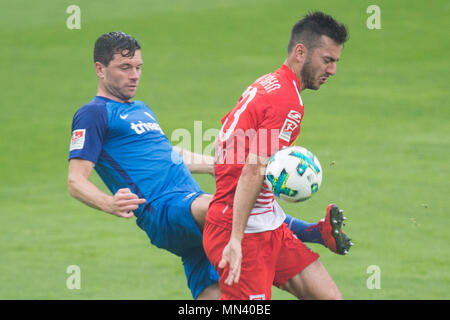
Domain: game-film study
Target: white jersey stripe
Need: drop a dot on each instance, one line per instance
(298, 93)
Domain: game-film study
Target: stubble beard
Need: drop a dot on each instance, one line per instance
(307, 75)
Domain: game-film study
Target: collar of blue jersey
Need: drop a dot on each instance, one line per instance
(108, 99)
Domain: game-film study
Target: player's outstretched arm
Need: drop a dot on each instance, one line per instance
(196, 163)
(247, 190)
(121, 204)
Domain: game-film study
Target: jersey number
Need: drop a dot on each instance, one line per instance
(247, 96)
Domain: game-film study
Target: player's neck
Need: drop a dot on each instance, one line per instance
(105, 93)
(296, 69)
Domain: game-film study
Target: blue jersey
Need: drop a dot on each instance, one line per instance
(129, 150)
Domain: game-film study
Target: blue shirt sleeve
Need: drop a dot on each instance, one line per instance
(89, 131)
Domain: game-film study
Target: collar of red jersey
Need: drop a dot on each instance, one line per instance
(290, 74)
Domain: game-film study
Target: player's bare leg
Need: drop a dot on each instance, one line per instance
(199, 207)
(210, 293)
(313, 282)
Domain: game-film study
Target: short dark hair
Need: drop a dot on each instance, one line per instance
(311, 27)
(114, 42)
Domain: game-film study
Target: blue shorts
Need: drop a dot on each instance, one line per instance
(169, 225)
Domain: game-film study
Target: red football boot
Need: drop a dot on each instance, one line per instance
(331, 230)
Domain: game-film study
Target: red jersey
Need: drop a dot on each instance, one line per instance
(266, 118)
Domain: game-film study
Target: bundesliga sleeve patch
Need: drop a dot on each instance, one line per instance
(78, 138)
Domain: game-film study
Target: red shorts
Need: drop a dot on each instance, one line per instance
(268, 258)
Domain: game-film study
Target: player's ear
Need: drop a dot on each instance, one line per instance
(99, 69)
(300, 52)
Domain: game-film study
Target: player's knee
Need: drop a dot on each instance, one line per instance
(199, 207)
(210, 293)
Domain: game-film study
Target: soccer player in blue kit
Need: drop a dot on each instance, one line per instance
(148, 178)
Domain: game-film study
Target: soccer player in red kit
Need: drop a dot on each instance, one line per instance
(244, 236)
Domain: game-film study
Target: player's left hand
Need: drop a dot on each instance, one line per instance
(232, 255)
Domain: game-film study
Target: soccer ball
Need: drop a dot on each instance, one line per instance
(293, 174)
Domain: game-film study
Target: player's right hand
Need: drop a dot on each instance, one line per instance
(232, 255)
(124, 202)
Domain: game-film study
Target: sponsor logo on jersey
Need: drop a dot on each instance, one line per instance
(78, 138)
(142, 127)
(290, 124)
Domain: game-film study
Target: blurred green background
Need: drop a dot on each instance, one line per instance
(380, 128)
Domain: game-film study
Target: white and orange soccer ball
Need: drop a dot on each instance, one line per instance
(294, 174)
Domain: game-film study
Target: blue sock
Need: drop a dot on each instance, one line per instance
(306, 232)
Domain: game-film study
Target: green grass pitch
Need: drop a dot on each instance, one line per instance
(380, 128)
